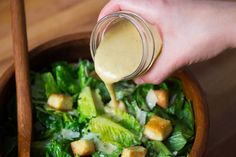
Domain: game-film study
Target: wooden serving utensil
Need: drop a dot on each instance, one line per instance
(20, 49)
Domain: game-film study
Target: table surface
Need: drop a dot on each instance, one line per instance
(47, 20)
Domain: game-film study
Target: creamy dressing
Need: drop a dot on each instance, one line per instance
(118, 55)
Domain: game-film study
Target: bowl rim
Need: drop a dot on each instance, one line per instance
(201, 131)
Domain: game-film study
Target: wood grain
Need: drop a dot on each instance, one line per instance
(23, 92)
(53, 18)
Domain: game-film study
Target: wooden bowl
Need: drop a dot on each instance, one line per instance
(73, 47)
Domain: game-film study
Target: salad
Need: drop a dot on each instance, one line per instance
(72, 116)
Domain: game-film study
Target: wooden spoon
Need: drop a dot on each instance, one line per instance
(20, 49)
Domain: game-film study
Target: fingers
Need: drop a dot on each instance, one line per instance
(110, 7)
(164, 66)
(156, 74)
(137, 6)
(166, 62)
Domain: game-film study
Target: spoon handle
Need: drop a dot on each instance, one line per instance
(20, 49)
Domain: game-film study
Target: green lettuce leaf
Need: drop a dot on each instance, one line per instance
(85, 68)
(126, 120)
(58, 149)
(157, 148)
(65, 78)
(139, 95)
(176, 141)
(88, 77)
(90, 103)
(187, 115)
(123, 89)
(110, 131)
(50, 84)
(180, 136)
(176, 104)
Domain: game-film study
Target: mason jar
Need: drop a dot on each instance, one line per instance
(150, 37)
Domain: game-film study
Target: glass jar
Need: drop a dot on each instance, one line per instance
(151, 40)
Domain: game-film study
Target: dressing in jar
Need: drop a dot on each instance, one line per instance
(123, 46)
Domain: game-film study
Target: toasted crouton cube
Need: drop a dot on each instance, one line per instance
(162, 98)
(135, 151)
(157, 128)
(82, 147)
(60, 102)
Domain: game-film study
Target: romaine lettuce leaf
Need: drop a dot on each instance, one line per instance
(99, 85)
(187, 115)
(133, 109)
(126, 120)
(176, 141)
(176, 104)
(110, 131)
(58, 148)
(85, 72)
(130, 105)
(180, 136)
(157, 148)
(105, 149)
(66, 79)
(139, 95)
(85, 68)
(90, 103)
(50, 122)
(123, 89)
(50, 84)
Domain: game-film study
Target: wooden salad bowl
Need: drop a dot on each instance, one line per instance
(76, 46)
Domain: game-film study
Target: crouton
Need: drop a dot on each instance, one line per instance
(157, 128)
(60, 102)
(135, 151)
(82, 147)
(162, 98)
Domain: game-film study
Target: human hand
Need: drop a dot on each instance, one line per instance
(191, 31)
